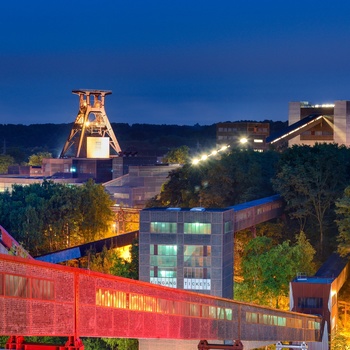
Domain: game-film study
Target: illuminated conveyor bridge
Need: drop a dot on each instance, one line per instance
(296, 128)
(43, 299)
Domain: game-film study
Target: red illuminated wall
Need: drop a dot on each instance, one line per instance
(39, 299)
(26, 309)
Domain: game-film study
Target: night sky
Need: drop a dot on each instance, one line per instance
(172, 62)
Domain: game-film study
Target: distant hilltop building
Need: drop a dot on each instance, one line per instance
(316, 123)
(243, 134)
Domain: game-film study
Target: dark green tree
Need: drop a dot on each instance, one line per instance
(178, 155)
(343, 222)
(126, 268)
(122, 344)
(5, 161)
(94, 212)
(268, 268)
(96, 344)
(37, 158)
(50, 216)
(218, 182)
(310, 179)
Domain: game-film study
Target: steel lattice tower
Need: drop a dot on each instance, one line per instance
(91, 121)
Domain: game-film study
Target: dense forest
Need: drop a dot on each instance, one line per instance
(20, 141)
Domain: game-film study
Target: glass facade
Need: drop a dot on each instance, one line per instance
(197, 267)
(163, 227)
(197, 228)
(228, 226)
(163, 264)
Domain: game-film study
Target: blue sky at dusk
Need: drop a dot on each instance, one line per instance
(172, 62)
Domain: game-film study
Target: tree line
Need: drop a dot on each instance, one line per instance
(311, 179)
(21, 141)
(48, 216)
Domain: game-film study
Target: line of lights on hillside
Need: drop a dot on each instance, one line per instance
(206, 156)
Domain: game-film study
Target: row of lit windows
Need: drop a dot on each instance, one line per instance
(235, 137)
(246, 214)
(163, 259)
(162, 249)
(318, 132)
(138, 302)
(163, 272)
(243, 215)
(263, 209)
(190, 252)
(197, 228)
(242, 128)
(196, 273)
(163, 227)
(272, 320)
(197, 261)
(196, 256)
(189, 228)
(26, 287)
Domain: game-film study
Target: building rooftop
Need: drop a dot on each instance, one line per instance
(194, 209)
(255, 203)
(234, 207)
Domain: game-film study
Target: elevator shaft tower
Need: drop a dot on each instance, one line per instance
(91, 121)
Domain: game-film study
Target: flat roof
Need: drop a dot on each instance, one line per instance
(237, 207)
(193, 210)
(255, 202)
(313, 280)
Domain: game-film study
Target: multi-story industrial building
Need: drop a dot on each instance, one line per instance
(193, 248)
(243, 134)
(310, 123)
(188, 249)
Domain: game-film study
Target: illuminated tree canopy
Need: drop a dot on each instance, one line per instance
(50, 216)
(230, 179)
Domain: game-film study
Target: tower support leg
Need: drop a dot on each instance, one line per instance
(15, 342)
(18, 343)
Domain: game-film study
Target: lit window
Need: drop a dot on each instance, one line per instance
(197, 267)
(228, 313)
(251, 317)
(111, 298)
(16, 286)
(228, 226)
(42, 289)
(163, 264)
(281, 321)
(197, 228)
(163, 227)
